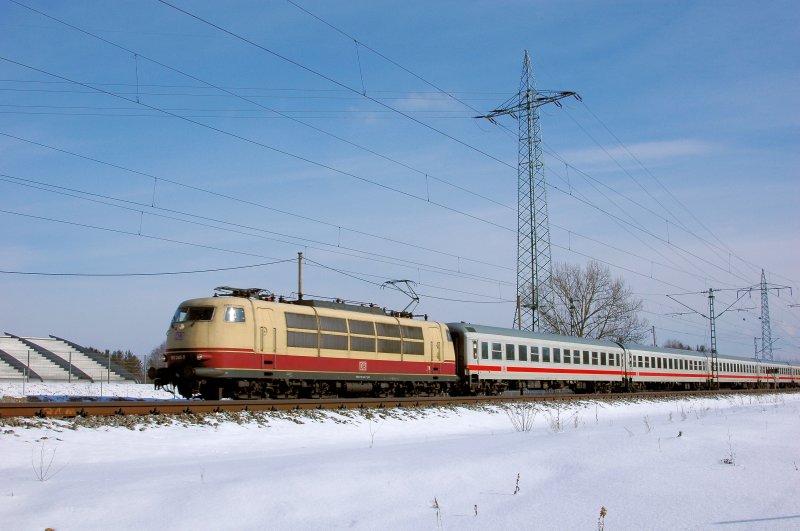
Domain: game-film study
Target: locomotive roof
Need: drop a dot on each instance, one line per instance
(496, 330)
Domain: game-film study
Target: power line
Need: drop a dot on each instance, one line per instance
(167, 273)
(139, 207)
(272, 148)
(253, 203)
(172, 114)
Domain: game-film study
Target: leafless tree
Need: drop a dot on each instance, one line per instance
(154, 358)
(594, 303)
(674, 343)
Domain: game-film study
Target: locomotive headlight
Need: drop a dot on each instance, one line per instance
(164, 357)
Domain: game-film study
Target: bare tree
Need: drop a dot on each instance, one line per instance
(154, 358)
(674, 343)
(591, 303)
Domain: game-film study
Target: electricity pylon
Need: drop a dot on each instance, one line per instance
(766, 330)
(534, 287)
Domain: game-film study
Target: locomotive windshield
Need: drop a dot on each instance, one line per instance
(193, 313)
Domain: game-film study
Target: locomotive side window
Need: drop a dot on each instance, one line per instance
(535, 354)
(234, 314)
(301, 339)
(413, 347)
(412, 332)
(567, 356)
(301, 320)
(556, 355)
(602, 358)
(364, 328)
(484, 350)
(523, 352)
(333, 341)
(193, 313)
(389, 346)
(388, 330)
(586, 357)
(333, 324)
(594, 358)
(545, 354)
(362, 344)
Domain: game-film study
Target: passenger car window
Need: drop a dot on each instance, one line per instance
(510, 352)
(497, 351)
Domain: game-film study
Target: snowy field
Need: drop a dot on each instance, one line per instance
(62, 391)
(726, 463)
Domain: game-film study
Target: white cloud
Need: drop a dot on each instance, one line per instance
(646, 152)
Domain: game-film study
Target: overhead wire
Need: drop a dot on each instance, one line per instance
(158, 274)
(338, 83)
(245, 99)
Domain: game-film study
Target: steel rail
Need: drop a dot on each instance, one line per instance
(179, 407)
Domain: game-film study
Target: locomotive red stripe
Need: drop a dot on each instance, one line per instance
(244, 359)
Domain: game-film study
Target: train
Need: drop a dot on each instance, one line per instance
(250, 344)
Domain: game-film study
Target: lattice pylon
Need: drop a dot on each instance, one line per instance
(534, 262)
(534, 267)
(766, 331)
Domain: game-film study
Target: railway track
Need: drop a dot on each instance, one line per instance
(179, 407)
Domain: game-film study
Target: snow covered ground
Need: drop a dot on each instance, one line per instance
(727, 464)
(59, 391)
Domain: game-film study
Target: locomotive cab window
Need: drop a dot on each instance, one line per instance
(234, 314)
(193, 313)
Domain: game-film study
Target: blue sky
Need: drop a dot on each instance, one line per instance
(174, 146)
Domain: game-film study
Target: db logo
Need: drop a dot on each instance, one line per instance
(362, 366)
